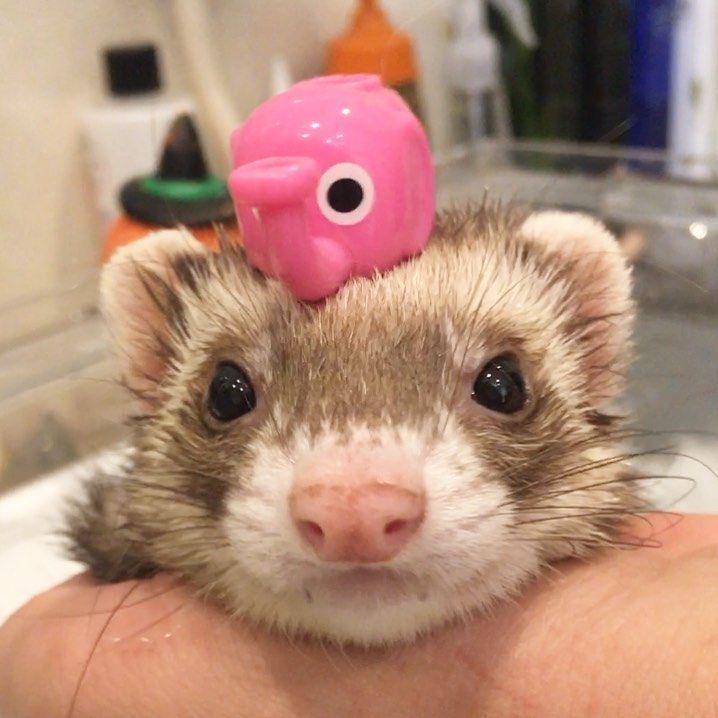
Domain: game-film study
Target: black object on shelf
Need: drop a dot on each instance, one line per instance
(182, 191)
(575, 85)
(605, 70)
(132, 69)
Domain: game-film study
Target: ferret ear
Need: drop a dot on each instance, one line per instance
(599, 295)
(139, 296)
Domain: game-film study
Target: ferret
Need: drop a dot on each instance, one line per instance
(405, 454)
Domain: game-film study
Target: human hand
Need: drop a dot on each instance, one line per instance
(627, 633)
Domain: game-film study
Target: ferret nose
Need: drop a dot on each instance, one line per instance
(367, 524)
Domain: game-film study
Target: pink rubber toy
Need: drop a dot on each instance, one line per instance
(333, 179)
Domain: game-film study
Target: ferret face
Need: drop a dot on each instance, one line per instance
(409, 451)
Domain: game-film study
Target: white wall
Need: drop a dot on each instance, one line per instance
(49, 56)
(49, 52)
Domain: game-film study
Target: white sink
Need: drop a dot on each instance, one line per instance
(31, 519)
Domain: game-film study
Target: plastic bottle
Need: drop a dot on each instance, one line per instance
(692, 121)
(124, 135)
(651, 39)
(479, 106)
(371, 45)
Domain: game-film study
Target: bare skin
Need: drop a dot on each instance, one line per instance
(628, 633)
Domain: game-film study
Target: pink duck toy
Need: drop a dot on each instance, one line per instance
(333, 179)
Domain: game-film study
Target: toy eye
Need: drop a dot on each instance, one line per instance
(500, 386)
(231, 394)
(345, 193)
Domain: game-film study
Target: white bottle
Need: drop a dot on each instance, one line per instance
(693, 116)
(479, 106)
(124, 135)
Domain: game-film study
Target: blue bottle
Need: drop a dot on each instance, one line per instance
(651, 46)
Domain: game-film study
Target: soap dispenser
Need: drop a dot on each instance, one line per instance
(479, 102)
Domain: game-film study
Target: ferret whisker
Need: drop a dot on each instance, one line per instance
(673, 273)
(625, 480)
(153, 492)
(682, 455)
(448, 398)
(621, 435)
(588, 542)
(603, 463)
(279, 434)
(187, 470)
(269, 403)
(344, 653)
(95, 612)
(92, 609)
(692, 485)
(452, 396)
(534, 509)
(652, 433)
(589, 466)
(138, 482)
(211, 543)
(207, 526)
(295, 642)
(164, 617)
(322, 641)
(549, 446)
(93, 649)
(591, 513)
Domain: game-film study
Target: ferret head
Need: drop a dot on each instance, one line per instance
(409, 451)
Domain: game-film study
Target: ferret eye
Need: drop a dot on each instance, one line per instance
(500, 386)
(231, 394)
(345, 193)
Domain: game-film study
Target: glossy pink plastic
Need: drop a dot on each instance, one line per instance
(333, 179)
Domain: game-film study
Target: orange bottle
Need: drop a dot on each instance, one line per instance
(371, 44)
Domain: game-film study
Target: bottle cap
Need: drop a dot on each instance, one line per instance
(182, 156)
(132, 69)
(373, 45)
(182, 191)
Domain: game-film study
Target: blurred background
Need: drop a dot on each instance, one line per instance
(617, 73)
(605, 106)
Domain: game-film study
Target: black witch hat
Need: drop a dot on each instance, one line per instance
(182, 191)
